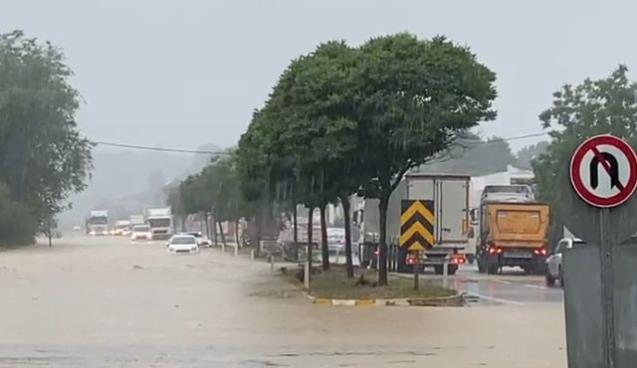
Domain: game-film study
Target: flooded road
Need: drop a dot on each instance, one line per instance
(512, 287)
(105, 302)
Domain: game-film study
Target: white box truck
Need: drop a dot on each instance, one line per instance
(97, 222)
(450, 193)
(160, 220)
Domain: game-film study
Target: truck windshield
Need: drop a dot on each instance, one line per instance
(162, 222)
(98, 220)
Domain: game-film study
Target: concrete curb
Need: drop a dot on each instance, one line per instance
(450, 301)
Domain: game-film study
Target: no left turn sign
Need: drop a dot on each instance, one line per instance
(604, 171)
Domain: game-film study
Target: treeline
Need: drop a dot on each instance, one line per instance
(43, 157)
(345, 120)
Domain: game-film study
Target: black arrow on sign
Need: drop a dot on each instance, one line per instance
(609, 163)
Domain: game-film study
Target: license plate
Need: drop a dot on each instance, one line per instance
(518, 254)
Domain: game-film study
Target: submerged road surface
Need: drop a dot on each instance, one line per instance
(105, 302)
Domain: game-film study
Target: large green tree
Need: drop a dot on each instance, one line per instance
(43, 156)
(414, 97)
(604, 106)
(313, 105)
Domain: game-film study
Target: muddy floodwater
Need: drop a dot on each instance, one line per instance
(107, 302)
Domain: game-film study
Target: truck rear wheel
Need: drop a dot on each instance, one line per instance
(493, 265)
(453, 269)
(550, 280)
(481, 266)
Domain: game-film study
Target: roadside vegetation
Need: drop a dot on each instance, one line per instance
(44, 158)
(345, 120)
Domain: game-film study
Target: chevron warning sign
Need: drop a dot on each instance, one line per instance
(416, 224)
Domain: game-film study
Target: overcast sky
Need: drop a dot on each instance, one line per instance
(184, 73)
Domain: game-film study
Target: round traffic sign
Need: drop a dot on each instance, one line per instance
(604, 171)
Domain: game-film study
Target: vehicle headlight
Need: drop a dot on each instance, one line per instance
(92, 233)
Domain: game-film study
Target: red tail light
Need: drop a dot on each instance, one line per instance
(457, 259)
(541, 251)
(492, 250)
(499, 250)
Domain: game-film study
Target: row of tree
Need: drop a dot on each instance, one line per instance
(43, 157)
(347, 120)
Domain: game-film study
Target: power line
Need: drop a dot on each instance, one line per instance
(204, 152)
(160, 149)
(540, 134)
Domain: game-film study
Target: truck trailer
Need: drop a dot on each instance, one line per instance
(450, 193)
(513, 230)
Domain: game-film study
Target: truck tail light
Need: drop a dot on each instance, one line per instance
(492, 250)
(457, 259)
(541, 251)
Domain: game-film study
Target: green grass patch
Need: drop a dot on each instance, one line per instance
(334, 284)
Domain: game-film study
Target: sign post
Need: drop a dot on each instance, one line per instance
(603, 173)
(416, 231)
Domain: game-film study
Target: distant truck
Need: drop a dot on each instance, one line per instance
(160, 220)
(450, 193)
(97, 223)
(513, 230)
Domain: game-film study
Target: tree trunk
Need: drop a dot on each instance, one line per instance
(348, 236)
(223, 236)
(309, 240)
(325, 253)
(207, 228)
(236, 232)
(382, 241)
(258, 224)
(295, 224)
(183, 222)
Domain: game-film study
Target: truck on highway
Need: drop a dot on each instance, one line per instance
(450, 193)
(97, 223)
(513, 230)
(160, 220)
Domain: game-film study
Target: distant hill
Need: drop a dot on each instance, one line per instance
(126, 180)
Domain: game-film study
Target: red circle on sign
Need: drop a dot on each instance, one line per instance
(591, 198)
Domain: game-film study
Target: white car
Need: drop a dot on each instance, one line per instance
(141, 232)
(202, 241)
(554, 261)
(183, 244)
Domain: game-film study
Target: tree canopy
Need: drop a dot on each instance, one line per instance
(44, 158)
(604, 106)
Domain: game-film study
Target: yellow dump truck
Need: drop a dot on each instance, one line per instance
(513, 234)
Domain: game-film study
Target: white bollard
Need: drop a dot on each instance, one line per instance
(252, 254)
(236, 250)
(445, 272)
(223, 248)
(306, 275)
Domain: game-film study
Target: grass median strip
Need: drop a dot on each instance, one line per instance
(334, 284)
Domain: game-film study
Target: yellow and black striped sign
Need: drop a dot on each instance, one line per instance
(417, 224)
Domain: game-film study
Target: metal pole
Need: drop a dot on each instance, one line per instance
(416, 270)
(606, 241)
(306, 274)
